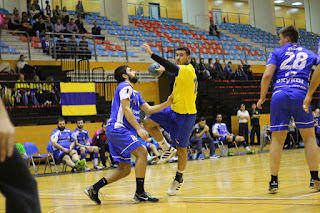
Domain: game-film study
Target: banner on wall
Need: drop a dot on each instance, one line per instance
(78, 99)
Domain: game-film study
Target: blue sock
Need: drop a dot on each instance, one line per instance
(83, 156)
(95, 155)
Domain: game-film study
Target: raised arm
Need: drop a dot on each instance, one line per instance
(156, 108)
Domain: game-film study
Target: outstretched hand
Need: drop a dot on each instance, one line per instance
(147, 48)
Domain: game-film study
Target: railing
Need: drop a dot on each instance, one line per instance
(136, 6)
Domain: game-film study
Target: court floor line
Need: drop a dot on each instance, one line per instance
(307, 195)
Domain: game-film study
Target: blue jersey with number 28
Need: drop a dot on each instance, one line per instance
(294, 64)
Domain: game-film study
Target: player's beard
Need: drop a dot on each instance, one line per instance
(61, 128)
(80, 127)
(133, 79)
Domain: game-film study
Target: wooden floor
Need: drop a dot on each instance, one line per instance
(229, 184)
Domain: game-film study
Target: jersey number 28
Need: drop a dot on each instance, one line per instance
(299, 63)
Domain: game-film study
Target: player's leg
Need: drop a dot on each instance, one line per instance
(211, 148)
(242, 140)
(102, 152)
(154, 150)
(229, 139)
(18, 186)
(82, 152)
(252, 134)
(79, 164)
(198, 142)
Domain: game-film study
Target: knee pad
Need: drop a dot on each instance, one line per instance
(234, 138)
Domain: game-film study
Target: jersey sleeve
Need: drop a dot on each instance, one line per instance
(215, 129)
(87, 136)
(72, 138)
(272, 59)
(141, 101)
(54, 136)
(125, 93)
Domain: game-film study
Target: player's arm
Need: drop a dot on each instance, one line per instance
(265, 83)
(314, 83)
(215, 132)
(58, 146)
(165, 63)
(73, 143)
(7, 132)
(156, 108)
(125, 104)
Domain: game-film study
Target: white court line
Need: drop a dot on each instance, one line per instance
(307, 195)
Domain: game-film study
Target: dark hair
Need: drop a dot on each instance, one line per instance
(186, 49)
(79, 119)
(218, 114)
(21, 56)
(61, 119)
(290, 31)
(202, 119)
(229, 62)
(209, 60)
(119, 71)
(71, 19)
(103, 123)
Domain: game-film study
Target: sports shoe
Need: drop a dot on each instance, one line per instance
(144, 197)
(92, 194)
(200, 157)
(86, 169)
(166, 155)
(97, 168)
(230, 153)
(152, 158)
(251, 152)
(214, 156)
(273, 187)
(194, 156)
(80, 164)
(175, 186)
(314, 184)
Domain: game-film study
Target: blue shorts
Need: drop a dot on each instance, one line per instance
(287, 103)
(77, 148)
(223, 138)
(148, 144)
(178, 125)
(59, 153)
(121, 143)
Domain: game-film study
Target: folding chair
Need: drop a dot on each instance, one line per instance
(33, 152)
(50, 154)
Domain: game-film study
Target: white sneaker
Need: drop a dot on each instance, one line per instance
(166, 155)
(86, 169)
(175, 186)
(97, 168)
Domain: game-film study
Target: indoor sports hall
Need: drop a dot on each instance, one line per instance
(58, 81)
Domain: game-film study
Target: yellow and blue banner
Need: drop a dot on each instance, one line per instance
(78, 99)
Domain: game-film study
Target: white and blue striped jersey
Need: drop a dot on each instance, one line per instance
(220, 128)
(294, 64)
(61, 136)
(81, 136)
(117, 119)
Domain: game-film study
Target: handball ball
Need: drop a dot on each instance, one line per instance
(152, 71)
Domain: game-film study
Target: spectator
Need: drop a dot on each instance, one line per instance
(5, 67)
(239, 74)
(200, 135)
(63, 143)
(24, 15)
(228, 71)
(243, 116)
(80, 26)
(39, 28)
(51, 92)
(15, 21)
(57, 14)
(58, 27)
(96, 30)
(82, 145)
(65, 15)
(255, 124)
(202, 72)
(85, 52)
(48, 24)
(25, 67)
(23, 92)
(34, 13)
(100, 139)
(213, 30)
(26, 25)
(249, 73)
(61, 47)
(244, 65)
(80, 10)
(36, 89)
(36, 5)
(140, 10)
(220, 131)
(72, 27)
(48, 12)
(46, 44)
(218, 68)
(73, 46)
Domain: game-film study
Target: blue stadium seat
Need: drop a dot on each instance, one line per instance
(131, 54)
(121, 53)
(100, 52)
(111, 53)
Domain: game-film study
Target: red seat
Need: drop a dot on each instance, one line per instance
(97, 41)
(35, 39)
(117, 47)
(108, 47)
(23, 38)
(106, 42)
(35, 45)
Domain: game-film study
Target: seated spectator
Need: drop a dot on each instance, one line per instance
(73, 46)
(219, 69)
(200, 135)
(39, 28)
(47, 44)
(48, 12)
(36, 89)
(213, 30)
(80, 26)
(24, 67)
(26, 25)
(61, 47)
(250, 73)
(79, 10)
(58, 27)
(57, 14)
(100, 139)
(96, 30)
(15, 21)
(34, 13)
(71, 27)
(65, 15)
(22, 93)
(220, 131)
(63, 143)
(228, 71)
(244, 65)
(5, 67)
(51, 92)
(24, 15)
(48, 24)
(83, 146)
(239, 74)
(36, 5)
(85, 52)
